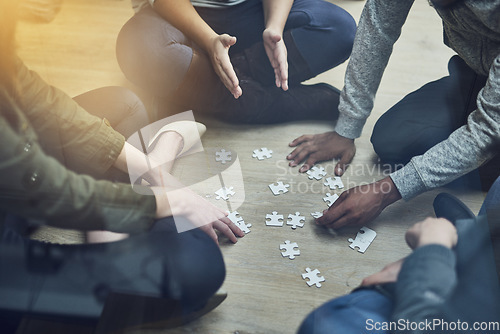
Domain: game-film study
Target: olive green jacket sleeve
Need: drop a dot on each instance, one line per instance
(80, 141)
(35, 185)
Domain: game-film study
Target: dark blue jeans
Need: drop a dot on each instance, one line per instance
(156, 56)
(181, 270)
(476, 291)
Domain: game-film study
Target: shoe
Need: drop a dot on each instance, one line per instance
(185, 129)
(449, 207)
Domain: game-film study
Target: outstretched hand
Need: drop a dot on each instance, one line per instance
(277, 54)
(360, 205)
(219, 55)
(320, 147)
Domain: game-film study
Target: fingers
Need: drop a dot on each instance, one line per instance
(344, 162)
(223, 227)
(334, 214)
(300, 140)
(208, 229)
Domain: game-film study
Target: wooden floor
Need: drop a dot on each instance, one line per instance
(76, 52)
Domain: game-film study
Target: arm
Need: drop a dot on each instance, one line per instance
(379, 28)
(182, 15)
(35, 185)
(275, 15)
(427, 278)
(465, 150)
(83, 142)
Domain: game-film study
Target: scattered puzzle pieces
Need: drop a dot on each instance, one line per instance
(314, 278)
(263, 153)
(316, 173)
(330, 199)
(238, 221)
(335, 183)
(274, 219)
(317, 214)
(279, 188)
(290, 250)
(295, 220)
(223, 156)
(224, 193)
(363, 239)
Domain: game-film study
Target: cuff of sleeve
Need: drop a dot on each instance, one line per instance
(408, 181)
(435, 251)
(110, 144)
(349, 127)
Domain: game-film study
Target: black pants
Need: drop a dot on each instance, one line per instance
(428, 115)
(74, 281)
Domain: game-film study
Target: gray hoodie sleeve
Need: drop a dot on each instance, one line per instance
(465, 149)
(379, 28)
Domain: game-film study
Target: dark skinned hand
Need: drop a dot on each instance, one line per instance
(321, 147)
(360, 205)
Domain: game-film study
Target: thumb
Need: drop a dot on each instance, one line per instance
(343, 163)
(228, 40)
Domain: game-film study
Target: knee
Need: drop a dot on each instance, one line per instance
(389, 145)
(339, 24)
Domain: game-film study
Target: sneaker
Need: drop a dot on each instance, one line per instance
(449, 207)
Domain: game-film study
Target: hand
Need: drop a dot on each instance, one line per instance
(432, 231)
(184, 202)
(360, 205)
(325, 146)
(219, 55)
(389, 274)
(277, 54)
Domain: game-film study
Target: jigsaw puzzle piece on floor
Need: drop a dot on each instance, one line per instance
(279, 188)
(363, 239)
(274, 220)
(314, 278)
(296, 220)
(335, 183)
(316, 173)
(238, 221)
(290, 250)
(224, 193)
(263, 153)
(317, 214)
(223, 156)
(330, 199)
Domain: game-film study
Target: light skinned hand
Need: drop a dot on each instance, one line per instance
(277, 54)
(321, 147)
(219, 55)
(432, 231)
(360, 205)
(200, 212)
(389, 274)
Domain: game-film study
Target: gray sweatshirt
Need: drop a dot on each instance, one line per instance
(472, 29)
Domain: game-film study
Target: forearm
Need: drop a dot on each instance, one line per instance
(276, 13)
(379, 28)
(427, 278)
(182, 15)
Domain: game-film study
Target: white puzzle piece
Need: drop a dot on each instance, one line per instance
(263, 153)
(363, 239)
(330, 199)
(316, 173)
(290, 252)
(335, 183)
(279, 188)
(274, 219)
(296, 220)
(223, 156)
(224, 193)
(317, 214)
(314, 278)
(238, 221)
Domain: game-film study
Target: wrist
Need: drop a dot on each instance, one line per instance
(389, 191)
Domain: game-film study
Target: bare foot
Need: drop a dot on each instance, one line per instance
(168, 145)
